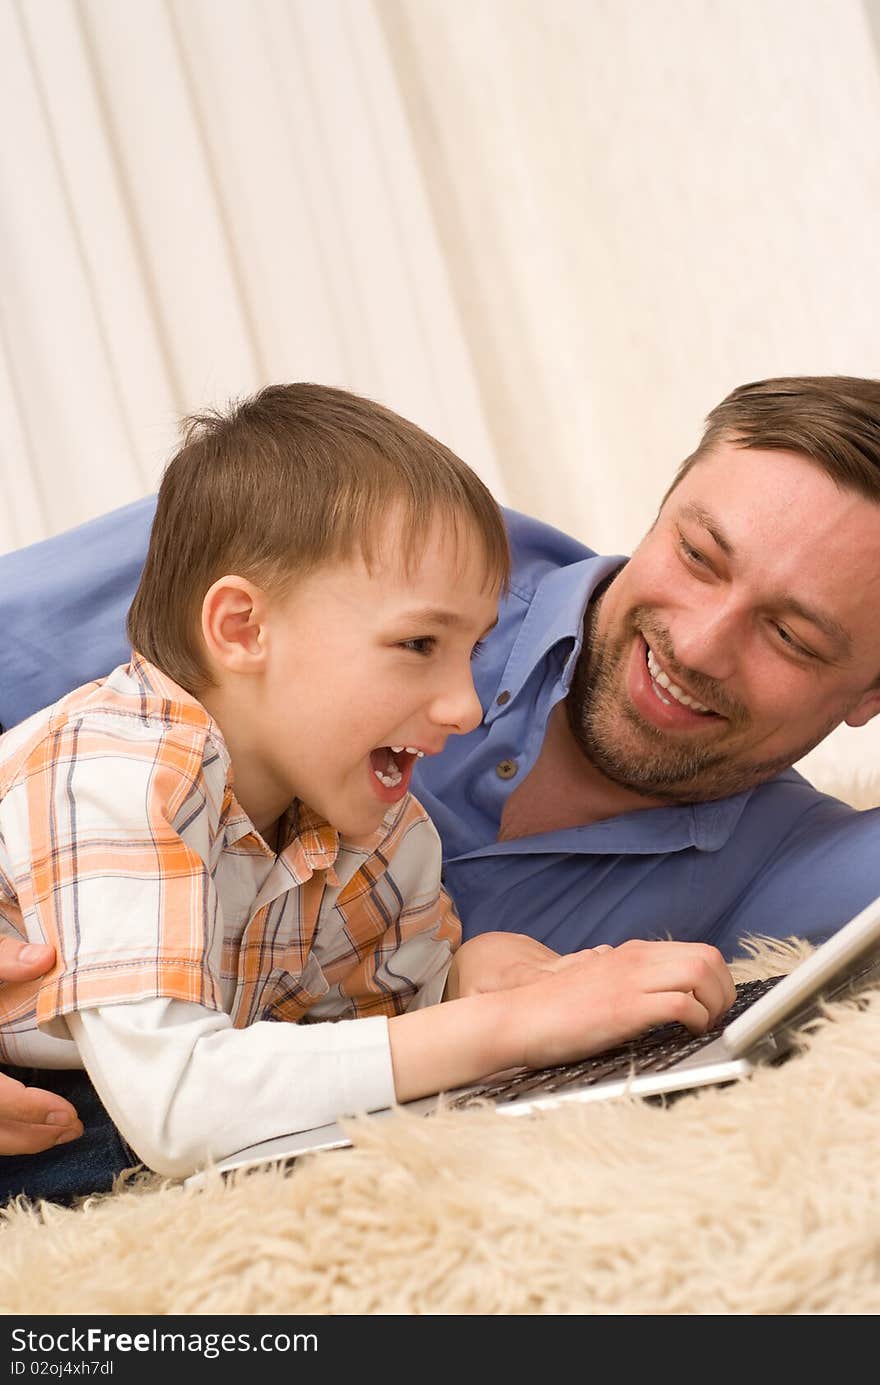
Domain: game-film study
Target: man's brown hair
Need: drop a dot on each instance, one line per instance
(832, 419)
(292, 477)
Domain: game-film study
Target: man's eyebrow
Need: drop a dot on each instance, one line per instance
(827, 624)
(710, 523)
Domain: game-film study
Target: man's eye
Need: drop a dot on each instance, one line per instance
(692, 554)
(793, 644)
(422, 644)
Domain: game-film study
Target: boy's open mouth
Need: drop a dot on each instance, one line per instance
(392, 763)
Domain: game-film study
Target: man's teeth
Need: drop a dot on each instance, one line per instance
(673, 689)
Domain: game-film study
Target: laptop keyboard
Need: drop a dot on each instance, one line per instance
(654, 1051)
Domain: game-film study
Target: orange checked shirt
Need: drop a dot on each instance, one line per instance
(122, 845)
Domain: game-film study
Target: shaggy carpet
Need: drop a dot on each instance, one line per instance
(760, 1198)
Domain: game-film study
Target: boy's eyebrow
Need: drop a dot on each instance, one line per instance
(435, 615)
(826, 623)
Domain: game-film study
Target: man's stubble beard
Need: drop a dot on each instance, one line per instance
(648, 762)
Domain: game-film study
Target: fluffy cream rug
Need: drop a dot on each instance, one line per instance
(761, 1198)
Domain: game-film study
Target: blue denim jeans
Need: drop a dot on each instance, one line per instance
(86, 1165)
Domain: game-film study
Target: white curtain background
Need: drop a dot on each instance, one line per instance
(199, 197)
(553, 232)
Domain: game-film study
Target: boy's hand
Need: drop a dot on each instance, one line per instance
(31, 1120)
(521, 1005)
(503, 961)
(593, 1003)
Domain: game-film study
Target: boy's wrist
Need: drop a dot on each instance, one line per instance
(452, 988)
(449, 1046)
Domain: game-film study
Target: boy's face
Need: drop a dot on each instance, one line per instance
(361, 662)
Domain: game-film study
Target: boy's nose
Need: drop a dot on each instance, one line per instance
(458, 708)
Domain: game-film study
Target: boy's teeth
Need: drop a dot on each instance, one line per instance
(672, 688)
(390, 781)
(410, 750)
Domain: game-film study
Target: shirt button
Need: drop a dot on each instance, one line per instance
(506, 769)
(502, 698)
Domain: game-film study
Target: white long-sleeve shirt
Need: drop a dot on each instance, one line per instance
(182, 939)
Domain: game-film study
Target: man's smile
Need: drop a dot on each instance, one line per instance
(661, 679)
(662, 701)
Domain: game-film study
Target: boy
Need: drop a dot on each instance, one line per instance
(220, 835)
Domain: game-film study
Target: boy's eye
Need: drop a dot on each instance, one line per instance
(421, 644)
(478, 649)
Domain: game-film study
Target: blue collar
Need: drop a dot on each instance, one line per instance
(644, 832)
(555, 615)
(554, 620)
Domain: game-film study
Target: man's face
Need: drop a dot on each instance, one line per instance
(744, 628)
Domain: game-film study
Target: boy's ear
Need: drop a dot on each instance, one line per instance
(866, 709)
(233, 624)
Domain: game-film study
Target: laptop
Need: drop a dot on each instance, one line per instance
(760, 1027)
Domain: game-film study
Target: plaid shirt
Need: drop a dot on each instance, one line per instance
(122, 844)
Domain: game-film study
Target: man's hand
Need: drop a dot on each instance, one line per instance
(503, 961)
(31, 1120)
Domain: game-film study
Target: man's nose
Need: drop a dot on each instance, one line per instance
(456, 706)
(707, 641)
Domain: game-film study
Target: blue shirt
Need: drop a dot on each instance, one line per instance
(780, 860)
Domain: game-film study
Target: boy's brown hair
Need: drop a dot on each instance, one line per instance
(833, 419)
(292, 477)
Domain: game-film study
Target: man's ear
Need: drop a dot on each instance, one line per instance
(233, 624)
(864, 710)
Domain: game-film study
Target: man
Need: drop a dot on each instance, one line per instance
(631, 775)
(31, 1119)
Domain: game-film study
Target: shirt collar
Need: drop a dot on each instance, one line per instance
(645, 832)
(157, 685)
(555, 615)
(306, 842)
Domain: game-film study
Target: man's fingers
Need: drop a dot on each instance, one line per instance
(19, 1138)
(23, 961)
(33, 1105)
(32, 1120)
